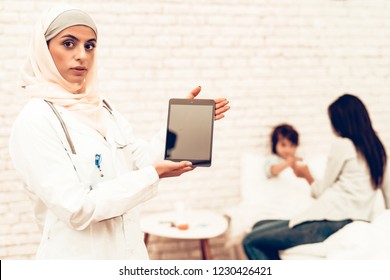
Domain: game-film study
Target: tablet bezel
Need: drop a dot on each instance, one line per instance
(191, 102)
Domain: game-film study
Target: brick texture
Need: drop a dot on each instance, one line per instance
(276, 61)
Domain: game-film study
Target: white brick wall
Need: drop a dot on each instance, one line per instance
(279, 60)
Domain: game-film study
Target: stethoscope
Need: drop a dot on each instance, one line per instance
(98, 157)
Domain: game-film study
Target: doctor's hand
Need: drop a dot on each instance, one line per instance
(220, 103)
(168, 168)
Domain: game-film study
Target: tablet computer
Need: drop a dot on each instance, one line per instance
(190, 130)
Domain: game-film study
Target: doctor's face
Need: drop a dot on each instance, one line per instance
(73, 52)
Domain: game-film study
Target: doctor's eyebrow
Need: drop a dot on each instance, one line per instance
(77, 39)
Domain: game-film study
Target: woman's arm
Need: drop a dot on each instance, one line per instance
(303, 171)
(386, 188)
(342, 150)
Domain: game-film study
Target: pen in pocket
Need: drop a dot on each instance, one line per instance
(98, 161)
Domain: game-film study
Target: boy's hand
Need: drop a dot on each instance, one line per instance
(291, 160)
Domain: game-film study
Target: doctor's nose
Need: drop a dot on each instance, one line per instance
(81, 54)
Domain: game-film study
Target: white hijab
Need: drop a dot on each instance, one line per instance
(41, 79)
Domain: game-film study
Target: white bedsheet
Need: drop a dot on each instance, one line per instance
(262, 198)
(357, 240)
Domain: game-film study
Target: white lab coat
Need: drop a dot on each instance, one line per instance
(83, 215)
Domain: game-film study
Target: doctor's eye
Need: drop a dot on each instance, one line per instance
(90, 46)
(68, 44)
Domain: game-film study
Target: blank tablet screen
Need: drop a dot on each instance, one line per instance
(190, 131)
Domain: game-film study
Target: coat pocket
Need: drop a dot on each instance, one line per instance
(86, 169)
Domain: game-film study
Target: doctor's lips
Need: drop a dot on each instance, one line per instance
(80, 69)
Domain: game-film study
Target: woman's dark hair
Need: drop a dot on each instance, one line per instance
(350, 119)
(284, 131)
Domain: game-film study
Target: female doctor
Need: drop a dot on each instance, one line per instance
(68, 144)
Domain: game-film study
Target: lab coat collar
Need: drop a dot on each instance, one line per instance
(73, 123)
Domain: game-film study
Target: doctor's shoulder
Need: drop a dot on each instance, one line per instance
(35, 114)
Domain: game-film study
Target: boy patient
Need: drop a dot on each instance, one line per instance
(284, 143)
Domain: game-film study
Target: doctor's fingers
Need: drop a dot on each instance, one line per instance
(194, 93)
(168, 168)
(220, 108)
(181, 167)
(220, 102)
(178, 172)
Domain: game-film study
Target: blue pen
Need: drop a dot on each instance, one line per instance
(98, 160)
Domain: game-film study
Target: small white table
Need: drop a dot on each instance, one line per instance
(203, 225)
